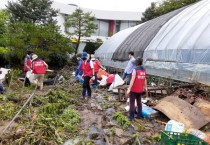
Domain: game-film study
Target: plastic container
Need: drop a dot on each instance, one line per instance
(174, 138)
(174, 126)
(148, 112)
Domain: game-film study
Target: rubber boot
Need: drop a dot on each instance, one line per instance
(131, 117)
(139, 114)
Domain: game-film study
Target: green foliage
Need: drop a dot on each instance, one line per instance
(7, 111)
(157, 138)
(32, 11)
(3, 59)
(55, 121)
(121, 120)
(149, 13)
(60, 59)
(3, 25)
(91, 47)
(82, 23)
(70, 120)
(166, 6)
(46, 41)
(140, 127)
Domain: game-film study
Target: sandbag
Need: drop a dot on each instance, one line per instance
(3, 74)
(103, 81)
(31, 79)
(110, 79)
(102, 72)
(118, 81)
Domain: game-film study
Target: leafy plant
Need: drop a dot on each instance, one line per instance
(122, 120)
(140, 127)
(71, 119)
(7, 111)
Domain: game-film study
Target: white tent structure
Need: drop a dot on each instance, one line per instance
(177, 46)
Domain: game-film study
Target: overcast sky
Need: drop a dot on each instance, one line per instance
(116, 5)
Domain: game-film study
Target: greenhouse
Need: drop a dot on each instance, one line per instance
(175, 45)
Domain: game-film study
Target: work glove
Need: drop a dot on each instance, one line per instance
(93, 78)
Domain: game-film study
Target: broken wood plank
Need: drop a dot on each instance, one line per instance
(203, 105)
(179, 110)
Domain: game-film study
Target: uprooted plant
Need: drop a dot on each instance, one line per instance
(122, 120)
(53, 121)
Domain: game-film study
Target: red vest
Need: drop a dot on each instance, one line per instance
(96, 65)
(86, 68)
(39, 67)
(28, 63)
(139, 83)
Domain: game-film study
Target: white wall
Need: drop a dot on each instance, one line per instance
(60, 22)
(81, 47)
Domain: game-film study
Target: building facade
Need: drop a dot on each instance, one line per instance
(108, 22)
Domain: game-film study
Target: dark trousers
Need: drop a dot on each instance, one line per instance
(137, 97)
(96, 79)
(27, 81)
(86, 86)
(1, 88)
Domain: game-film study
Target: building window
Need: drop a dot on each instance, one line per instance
(117, 26)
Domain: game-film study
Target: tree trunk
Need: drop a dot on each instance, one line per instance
(77, 46)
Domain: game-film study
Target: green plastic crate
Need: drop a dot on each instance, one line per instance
(174, 138)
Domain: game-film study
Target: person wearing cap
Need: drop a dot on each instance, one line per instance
(88, 73)
(39, 68)
(137, 85)
(27, 67)
(97, 66)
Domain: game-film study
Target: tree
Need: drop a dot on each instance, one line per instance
(3, 26)
(32, 11)
(158, 9)
(82, 23)
(149, 13)
(46, 41)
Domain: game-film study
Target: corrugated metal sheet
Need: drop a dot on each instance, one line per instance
(140, 38)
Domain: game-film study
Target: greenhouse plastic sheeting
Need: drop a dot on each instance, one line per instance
(181, 49)
(141, 37)
(107, 49)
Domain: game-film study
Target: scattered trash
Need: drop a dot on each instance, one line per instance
(118, 81)
(199, 134)
(174, 126)
(148, 112)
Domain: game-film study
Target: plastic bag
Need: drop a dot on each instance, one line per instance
(174, 126)
(199, 134)
(103, 81)
(28, 74)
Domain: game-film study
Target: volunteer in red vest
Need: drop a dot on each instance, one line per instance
(137, 86)
(39, 68)
(88, 73)
(97, 66)
(27, 67)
